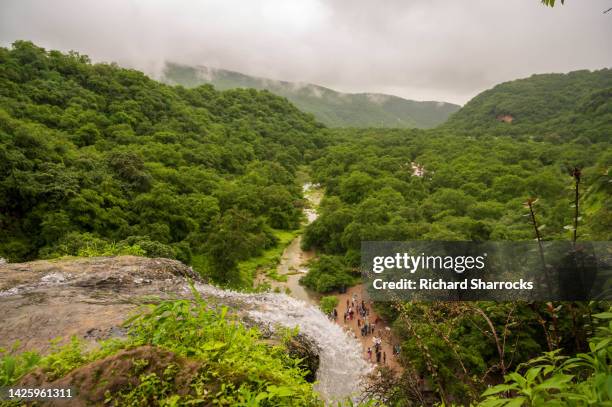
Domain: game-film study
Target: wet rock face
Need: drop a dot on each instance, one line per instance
(304, 348)
(89, 298)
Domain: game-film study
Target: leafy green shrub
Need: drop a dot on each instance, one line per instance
(111, 249)
(88, 245)
(328, 273)
(556, 380)
(151, 248)
(328, 303)
(192, 330)
(12, 367)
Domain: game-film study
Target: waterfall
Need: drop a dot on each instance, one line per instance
(342, 368)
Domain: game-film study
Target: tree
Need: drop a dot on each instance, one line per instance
(238, 236)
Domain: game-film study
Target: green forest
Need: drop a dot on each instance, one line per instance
(95, 158)
(98, 160)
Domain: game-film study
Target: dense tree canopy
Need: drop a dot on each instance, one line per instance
(437, 185)
(472, 188)
(92, 154)
(553, 107)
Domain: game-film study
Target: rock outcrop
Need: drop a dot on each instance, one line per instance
(84, 297)
(90, 298)
(304, 348)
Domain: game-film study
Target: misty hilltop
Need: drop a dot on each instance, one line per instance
(333, 108)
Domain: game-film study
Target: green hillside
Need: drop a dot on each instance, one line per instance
(566, 106)
(332, 108)
(100, 159)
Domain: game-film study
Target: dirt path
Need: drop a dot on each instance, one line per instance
(381, 332)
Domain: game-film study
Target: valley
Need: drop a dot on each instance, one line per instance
(187, 226)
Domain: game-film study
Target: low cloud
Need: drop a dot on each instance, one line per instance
(422, 49)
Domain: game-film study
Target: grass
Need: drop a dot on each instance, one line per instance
(269, 259)
(264, 263)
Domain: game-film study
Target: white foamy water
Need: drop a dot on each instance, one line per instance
(341, 370)
(311, 213)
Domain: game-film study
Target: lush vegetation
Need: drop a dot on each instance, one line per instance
(93, 156)
(99, 160)
(335, 109)
(328, 273)
(473, 188)
(328, 303)
(552, 379)
(553, 107)
(436, 185)
(213, 361)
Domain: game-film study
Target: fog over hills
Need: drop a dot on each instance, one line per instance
(335, 109)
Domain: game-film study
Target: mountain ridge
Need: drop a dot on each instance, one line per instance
(333, 108)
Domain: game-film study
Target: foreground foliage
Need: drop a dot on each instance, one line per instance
(556, 380)
(234, 366)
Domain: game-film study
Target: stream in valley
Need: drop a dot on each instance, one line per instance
(294, 261)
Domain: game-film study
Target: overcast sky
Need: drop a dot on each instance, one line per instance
(419, 49)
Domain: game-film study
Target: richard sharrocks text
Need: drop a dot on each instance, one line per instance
(439, 284)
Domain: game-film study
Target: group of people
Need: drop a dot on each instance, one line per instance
(356, 309)
(378, 352)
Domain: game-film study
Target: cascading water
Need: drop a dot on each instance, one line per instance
(314, 199)
(341, 370)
